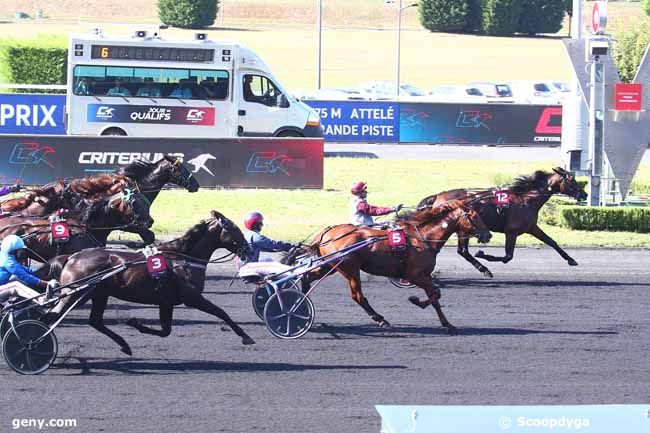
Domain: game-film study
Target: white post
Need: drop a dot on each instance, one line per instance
(399, 46)
(319, 30)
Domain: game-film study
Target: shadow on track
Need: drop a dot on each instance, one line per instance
(141, 366)
(340, 332)
(456, 284)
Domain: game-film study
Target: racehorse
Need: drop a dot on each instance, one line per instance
(38, 202)
(527, 195)
(88, 228)
(426, 230)
(186, 259)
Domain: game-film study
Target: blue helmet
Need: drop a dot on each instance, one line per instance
(12, 243)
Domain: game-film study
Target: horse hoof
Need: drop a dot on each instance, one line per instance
(415, 301)
(127, 350)
(384, 324)
(479, 254)
(247, 340)
(572, 262)
(487, 273)
(133, 322)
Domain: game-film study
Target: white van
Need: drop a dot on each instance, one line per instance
(145, 85)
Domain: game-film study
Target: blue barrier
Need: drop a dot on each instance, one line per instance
(32, 114)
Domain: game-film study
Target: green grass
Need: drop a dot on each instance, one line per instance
(296, 214)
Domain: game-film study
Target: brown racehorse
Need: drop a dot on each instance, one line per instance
(426, 230)
(40, 201)
(527, 196)
(89, 228)
(186, 258)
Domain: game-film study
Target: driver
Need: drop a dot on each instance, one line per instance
(15, 278)
(253, 221)
(361, 212)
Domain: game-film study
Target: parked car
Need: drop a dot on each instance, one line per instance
(386, 90)
(335, 95)
(454, 93)
(534, 92)
(495, 92)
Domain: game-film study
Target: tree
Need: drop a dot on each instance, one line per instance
(629, 49)
(443, 15)
(541, 16)
(188, 14)
(474, 16)
(645, 5)
(500, 17)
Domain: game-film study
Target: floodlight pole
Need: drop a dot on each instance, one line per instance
(319, 29)
(400, 8)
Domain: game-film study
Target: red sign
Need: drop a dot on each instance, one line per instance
(628, 97)
(599, 17)
(60, 232)
(397, 240)
(157, 266)
(502, 197)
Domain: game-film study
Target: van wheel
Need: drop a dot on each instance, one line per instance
(290, 134)
(114, 131)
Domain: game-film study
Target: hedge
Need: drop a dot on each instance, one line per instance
(500, 17)
(443, 15)
(34, 61)
(188, 14)
(541, 16)
(616, 219)
(629, 48)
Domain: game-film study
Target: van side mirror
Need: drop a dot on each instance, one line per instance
(282, 101)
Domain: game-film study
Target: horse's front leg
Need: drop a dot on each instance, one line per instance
(463, 251)
(539, 234)
(433, 298)
(511, 240)
(166, 313)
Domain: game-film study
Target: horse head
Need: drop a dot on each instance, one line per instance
(564, 182)
(470, 222)
(179, 174)
(228, 235)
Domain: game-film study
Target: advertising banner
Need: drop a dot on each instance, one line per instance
(234, 163)
(500, 124)
(32, 114)
(363, 121)
(170, 115)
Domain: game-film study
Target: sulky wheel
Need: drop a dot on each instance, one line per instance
(29, 314)
(289, 315)
(26, 351)
(263, 293)
(260, 296)
(402, 283)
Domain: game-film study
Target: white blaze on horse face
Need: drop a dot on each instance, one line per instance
(444, 224)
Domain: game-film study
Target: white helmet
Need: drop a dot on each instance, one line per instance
(12, 243)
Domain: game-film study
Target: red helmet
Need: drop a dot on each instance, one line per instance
(358, 188)
(252, 218)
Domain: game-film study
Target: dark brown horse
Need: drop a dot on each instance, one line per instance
(426, 230)
(187, 259)
(40, 201)
(89, 228)
(527, 195)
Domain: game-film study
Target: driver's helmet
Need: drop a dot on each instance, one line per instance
(252, 219)
(12, 243)
(358, 187)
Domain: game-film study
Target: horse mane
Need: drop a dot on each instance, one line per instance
(138, 169)
(96, 184)
(190, 237)
(92, 210)
(536, 181)
(431, 214)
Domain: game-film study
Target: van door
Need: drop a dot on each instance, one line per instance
(263, 109)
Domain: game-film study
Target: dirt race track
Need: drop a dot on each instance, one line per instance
(540, 332)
